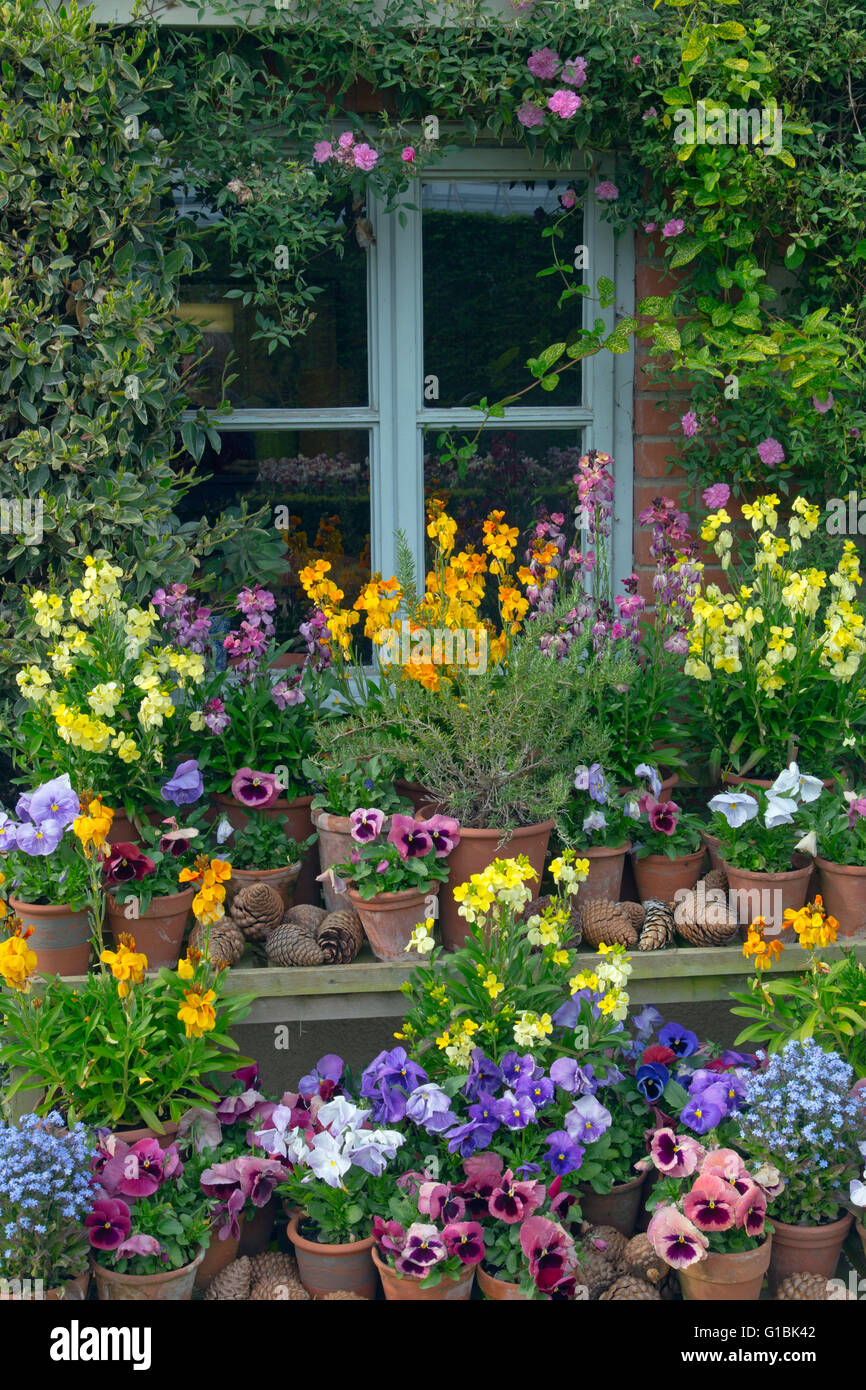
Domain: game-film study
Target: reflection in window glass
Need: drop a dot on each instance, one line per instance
(485, 310)
(525, 473)
(316, 486)
(325, 366)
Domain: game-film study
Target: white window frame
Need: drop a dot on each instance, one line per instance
(397, 416)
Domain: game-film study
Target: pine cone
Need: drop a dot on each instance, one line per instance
(293, 946)
(342, 1294)
(603, 923)
(224, 941)
(594, 1270)
(257, 909)
(815, 1288)
(642, 1262)
(716, 878)
(339, 938)
(609, 1242)
(703, 918)
(658, 927)
(635, 912)
(273, 1264)
(232, 1284)
(275, 1290)
(305, 915)
(627, 1287)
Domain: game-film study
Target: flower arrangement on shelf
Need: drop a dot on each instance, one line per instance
(46, 1192)
(824, 1003)
(782, 654)
(706, 1201)
(425, 1236)
(150, 1215)
(123, 1047)
(800, 1117)
(43, 855)
(595, 814)
(412, 854)
(103, 700)
(262, 844)
(759, 830)
(347, 784)
(662, 827)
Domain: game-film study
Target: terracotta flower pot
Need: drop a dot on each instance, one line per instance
(389, 919)
(417, 794)
(736, 1276)
(843, 888)
(335, 846)
(158, 932)
(498, 1290)
(326, 1268)
(861, 1231)
(408, 1289)
(767, 895)
(618, 1208)
(807, 1249)
(61, 938)
(476, 850)
(606, 864)
(218, 1254)
(73, 1292)
(282, 879)
(296, 816)
(657, 876)
(713, 847)
(132, 1136)
(257, 1229)
(172, 1286)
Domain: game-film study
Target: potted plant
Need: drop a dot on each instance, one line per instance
(262, 853)
(782, 652)
(422, 1253)
(758, 839)
(46, 1191)
(669, 851)
(857, 1197)
(395, 876)
(599, 823)
(709, 1218)
(825, 1001)
(334, 1188)
(150, 1222)
(343, 787)
(51, 877)
(104, 698)
(528, 1251)
(799, 1117)
(840, 849)
(485, 715)
(122, 1048)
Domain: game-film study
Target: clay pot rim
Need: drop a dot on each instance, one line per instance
(188, 893)
(282, 803)
(815, 1232)
(352, 1247)
(759, 1255)
(484, 1276)
(170, 1128)
(384, 1268)
(292, 869)
(47, 909)
(144, 1281)
(403, 898)
(604, 851)
(467, 833)
(665, 859)
(742, 779)
(823, 863)
(628, 1186)
(788, 874)
(341, 825)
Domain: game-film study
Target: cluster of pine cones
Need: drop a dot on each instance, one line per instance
(302, 935)
(700, 917)
(614, 1267)
(267, 1278)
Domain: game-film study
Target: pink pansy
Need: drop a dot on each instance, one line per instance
(676, 1239)
(607, 191)
(465, 1239)
(256, 790)
(563, 103)
(710, 1204)
(139, 1245)
(770, 451)
(723, 1163)
(366, 823)
(674, 227)
(543, 63)
(751, 1210)
(675, 1155)
(444, 831)
(322, 151)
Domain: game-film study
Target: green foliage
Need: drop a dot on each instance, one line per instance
(825, 1002)
(263, 844)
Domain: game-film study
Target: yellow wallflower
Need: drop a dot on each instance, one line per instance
(197, 1014)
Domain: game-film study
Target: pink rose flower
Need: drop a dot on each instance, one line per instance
(823, 406)
(408, 154)
(529, 114)
(573, 72)
(674, 227)
(346, 140)
(770, 451)
(568, 198)
(607, 191)
(716, 496)
(365, 157)
(689, 422)
(543, 63)
(322, 151)
(563, 103)
(649, 227)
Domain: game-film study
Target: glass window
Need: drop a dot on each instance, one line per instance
(485, 310)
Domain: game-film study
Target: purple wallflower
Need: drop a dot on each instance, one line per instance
(564, 1155)
(186, 786)
(54, 800)
(681, 1041)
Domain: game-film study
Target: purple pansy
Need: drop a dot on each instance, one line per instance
(54, 800)
(185, 786)
(680, 1040)
(366, 823)
(563, 1154)
(41, 838)
(587, 1120)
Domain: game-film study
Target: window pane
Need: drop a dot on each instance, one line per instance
(321, 478)
(525, 473)
(485, 310)
(326, 366)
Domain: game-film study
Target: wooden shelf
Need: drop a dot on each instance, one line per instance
(371, 989)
